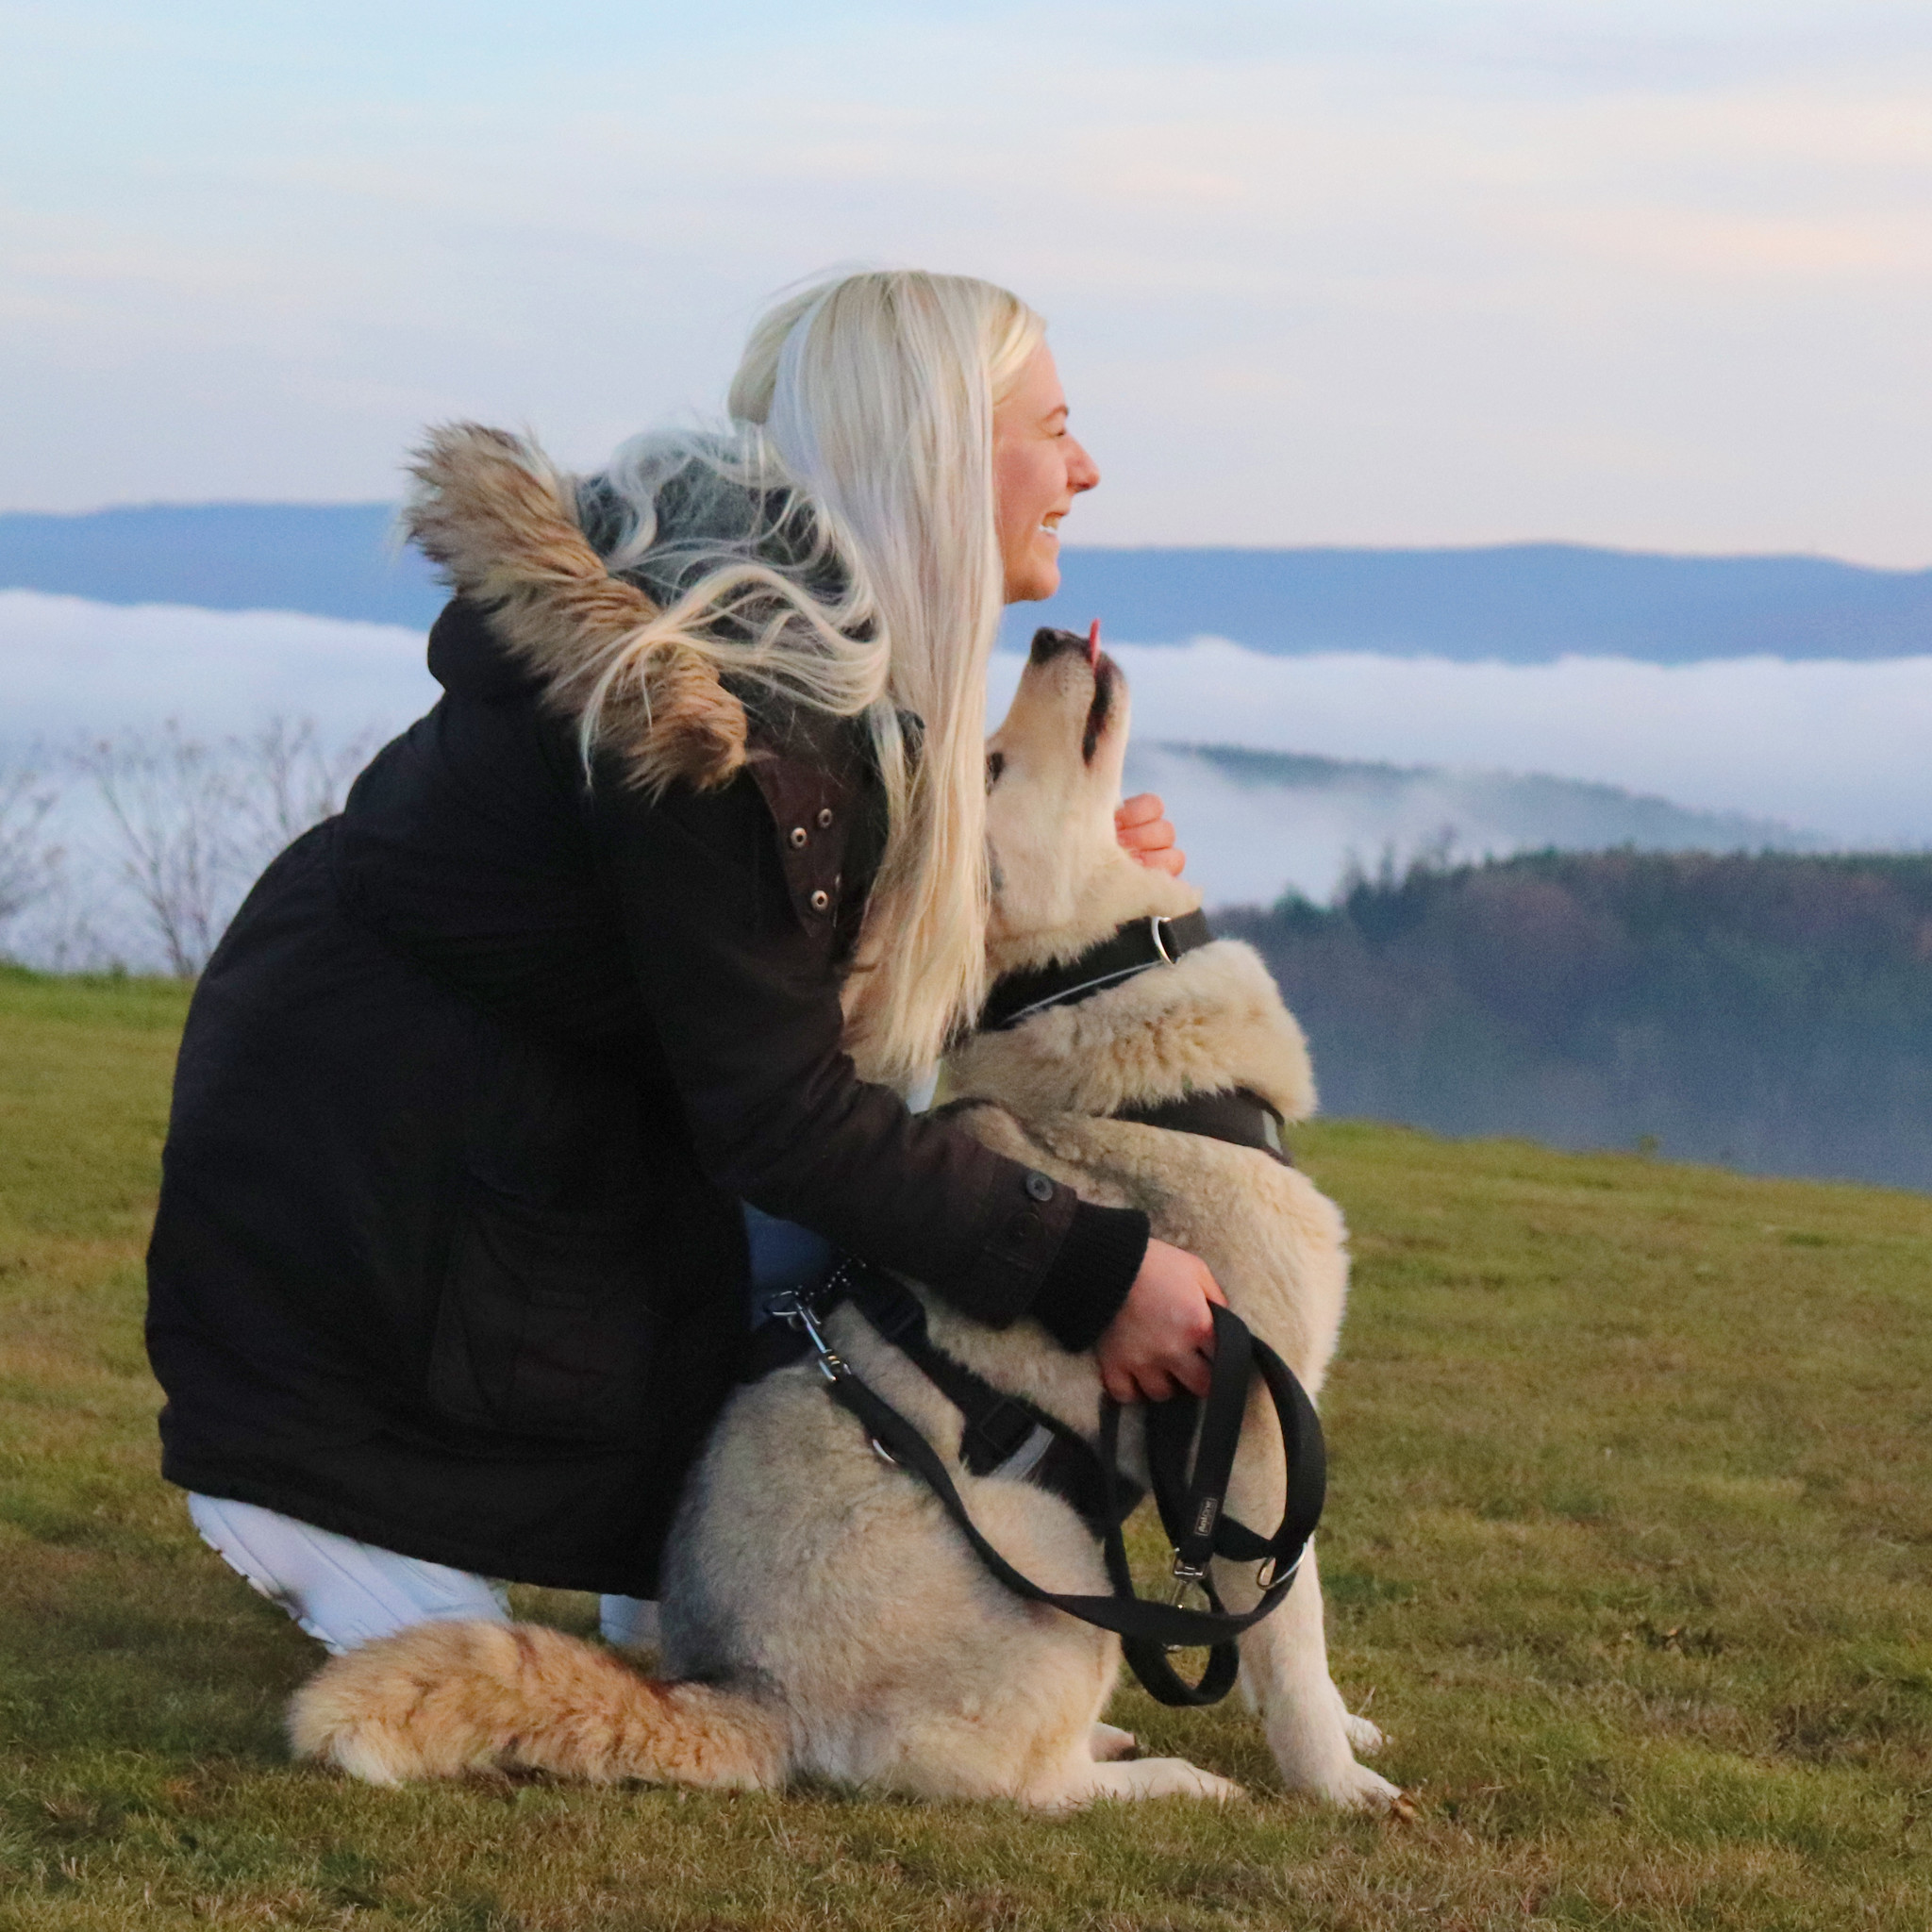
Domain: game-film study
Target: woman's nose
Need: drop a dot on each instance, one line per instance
(1083, 473)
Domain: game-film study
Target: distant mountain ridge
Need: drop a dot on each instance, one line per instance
(333, 560)
(1531, 805)
(1259, 823)
(1524, 603)
(1519, 603)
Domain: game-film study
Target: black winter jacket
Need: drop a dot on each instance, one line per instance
(449, 1256)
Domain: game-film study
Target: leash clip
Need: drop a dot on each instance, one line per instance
(797, 1313)
(1186, 1577)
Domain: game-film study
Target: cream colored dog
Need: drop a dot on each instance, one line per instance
(821, 1616)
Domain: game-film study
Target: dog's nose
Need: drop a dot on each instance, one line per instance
(1049, 645)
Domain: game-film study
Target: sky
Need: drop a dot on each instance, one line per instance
(1363, 272)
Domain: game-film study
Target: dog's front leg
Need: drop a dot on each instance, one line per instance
(1285, 1670)
(1285, 1657)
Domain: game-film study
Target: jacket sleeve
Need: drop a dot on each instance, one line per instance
(738, 981)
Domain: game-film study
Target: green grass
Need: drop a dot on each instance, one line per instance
(1628, 1542)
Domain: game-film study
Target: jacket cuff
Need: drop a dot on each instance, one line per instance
(1089, 1277)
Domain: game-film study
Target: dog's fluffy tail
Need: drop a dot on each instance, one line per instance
(441, 1699)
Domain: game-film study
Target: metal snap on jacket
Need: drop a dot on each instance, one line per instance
(1039, 1186)
(824, 816)
(799, 835)
(820, 900)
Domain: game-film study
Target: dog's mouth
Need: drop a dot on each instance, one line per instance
(1051, 645)
(1106, 677)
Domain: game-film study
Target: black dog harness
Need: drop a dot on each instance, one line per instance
(1005, 1435)
(1126, 951)
(1234, 1114)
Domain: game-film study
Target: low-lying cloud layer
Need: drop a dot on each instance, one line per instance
(1833, 751)
(1833, 747)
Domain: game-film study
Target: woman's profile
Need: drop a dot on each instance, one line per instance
(591, 1018)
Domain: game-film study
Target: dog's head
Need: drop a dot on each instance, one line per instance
(1061, 881)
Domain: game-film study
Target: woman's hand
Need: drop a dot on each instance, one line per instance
(1143, 830)
(1164, 1333)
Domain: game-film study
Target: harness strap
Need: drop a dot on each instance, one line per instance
(1235, 1114)
(1003, 1435)
(1126, 951)
(1147, 1630)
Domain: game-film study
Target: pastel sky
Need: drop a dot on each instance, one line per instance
(1354, 271)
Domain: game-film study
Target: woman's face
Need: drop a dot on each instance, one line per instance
(1037, 470)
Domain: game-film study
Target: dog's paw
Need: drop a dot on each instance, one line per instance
(1364, 1737)
(1140, 1777)
(1108, 1743)
(1175, 1777)
(1359, 1788)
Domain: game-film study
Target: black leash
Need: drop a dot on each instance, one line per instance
(1190, 1498)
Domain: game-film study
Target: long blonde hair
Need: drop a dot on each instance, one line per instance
(837, 545)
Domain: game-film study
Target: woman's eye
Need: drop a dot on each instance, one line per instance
(996, 764)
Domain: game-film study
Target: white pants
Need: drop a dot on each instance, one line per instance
(344, 1593)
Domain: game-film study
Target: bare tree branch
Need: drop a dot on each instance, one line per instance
(29, 864)
(196, 821)
(290, 779)
(175, 805)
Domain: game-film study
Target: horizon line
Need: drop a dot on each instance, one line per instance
(1300, 549)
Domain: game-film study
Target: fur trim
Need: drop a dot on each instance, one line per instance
(1215, 1020)
(499, 517)
(441, 1699)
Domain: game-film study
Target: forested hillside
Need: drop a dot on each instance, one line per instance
(1770, 1013)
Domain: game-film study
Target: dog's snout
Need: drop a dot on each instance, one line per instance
(1049, 645)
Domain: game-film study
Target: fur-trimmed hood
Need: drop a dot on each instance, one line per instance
(501, 520)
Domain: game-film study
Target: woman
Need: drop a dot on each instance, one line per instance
(591, 1006)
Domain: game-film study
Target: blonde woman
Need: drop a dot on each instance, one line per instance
(595, 1006)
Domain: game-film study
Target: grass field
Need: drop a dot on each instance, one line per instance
(1629, 1547)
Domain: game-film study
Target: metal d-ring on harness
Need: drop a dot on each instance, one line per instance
(1191, 1496)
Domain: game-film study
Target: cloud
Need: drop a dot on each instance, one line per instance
(70, 667)
(1832, 747)
(1835, 748)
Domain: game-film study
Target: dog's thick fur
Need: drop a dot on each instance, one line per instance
(821, 1616)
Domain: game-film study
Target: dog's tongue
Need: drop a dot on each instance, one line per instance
(1094, 646)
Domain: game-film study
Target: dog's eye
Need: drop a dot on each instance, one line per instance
(996, 764)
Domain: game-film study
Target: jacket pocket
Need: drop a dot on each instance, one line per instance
(545, 1323)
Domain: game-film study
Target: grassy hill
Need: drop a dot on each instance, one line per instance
(1629, 1540)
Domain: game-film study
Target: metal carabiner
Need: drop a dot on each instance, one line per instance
(1186, 1577)
(795, 1311)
